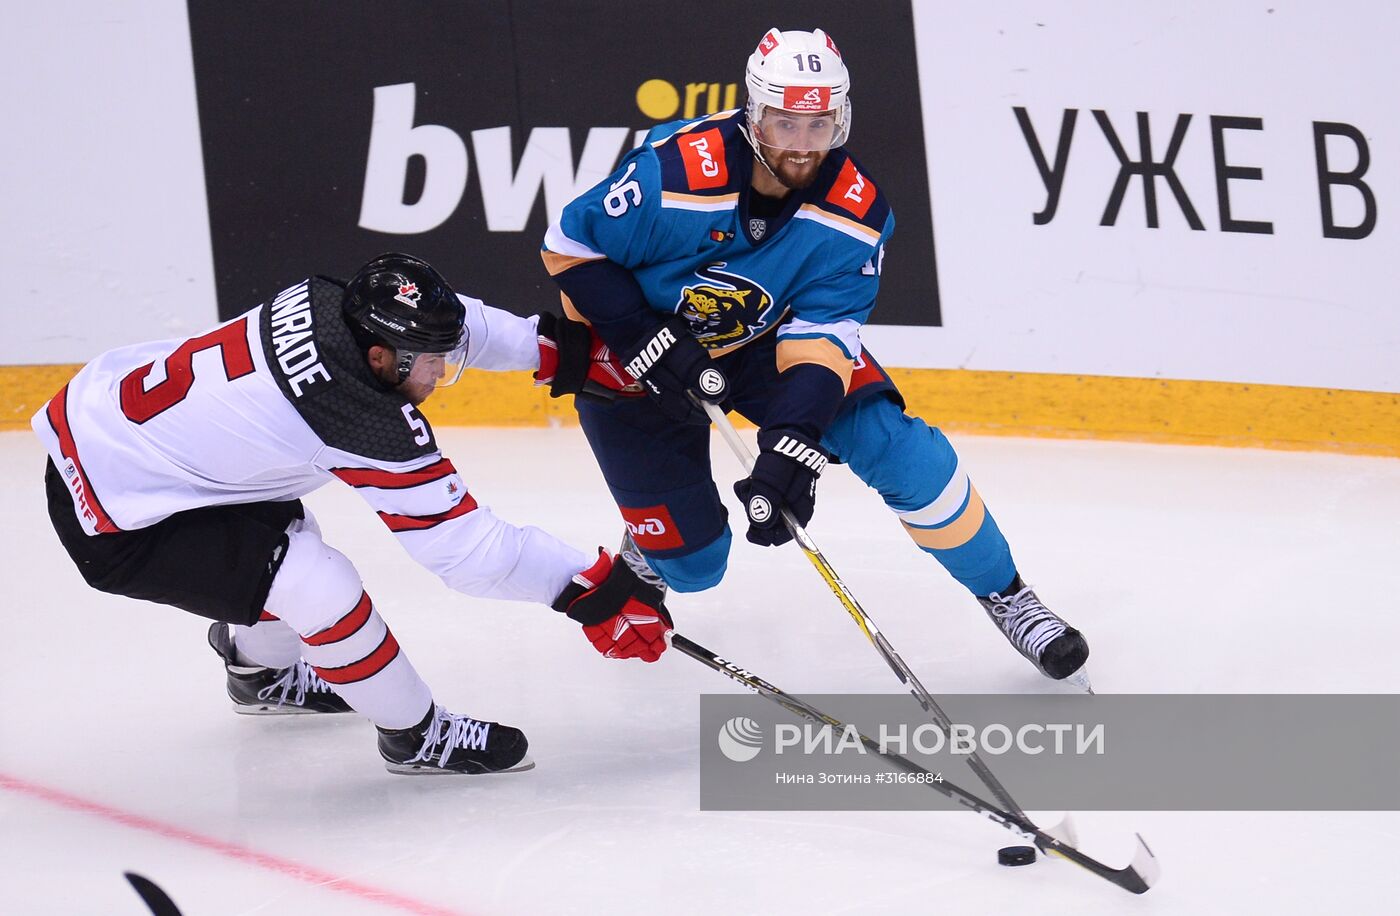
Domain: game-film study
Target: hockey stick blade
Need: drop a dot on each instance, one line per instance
(151, 894)
(1064, 831)
(1137, 877)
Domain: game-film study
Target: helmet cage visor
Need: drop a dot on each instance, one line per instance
(432, 369)
(800, 131)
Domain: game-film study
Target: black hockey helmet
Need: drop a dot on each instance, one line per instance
(400, 301)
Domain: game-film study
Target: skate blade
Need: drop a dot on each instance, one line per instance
(268, 709)
(1080, 680)
(418, 769)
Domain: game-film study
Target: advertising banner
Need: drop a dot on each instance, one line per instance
(456, 131)
(1192, 191)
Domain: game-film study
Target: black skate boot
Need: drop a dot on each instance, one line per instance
(446, 743)
(1053, 646)
(637, 562)
(259, 691)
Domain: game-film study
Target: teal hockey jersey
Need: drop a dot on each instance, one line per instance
(676, 214)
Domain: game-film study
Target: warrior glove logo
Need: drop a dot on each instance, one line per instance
(760, 510)
(740, 739)
(802, 453)
(653, 351)
(712, 382)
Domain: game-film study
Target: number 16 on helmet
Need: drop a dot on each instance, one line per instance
(799, 92)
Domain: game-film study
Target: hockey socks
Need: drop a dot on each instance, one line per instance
(318, 593)
(269, 643)
(961, 534)
(359, 657)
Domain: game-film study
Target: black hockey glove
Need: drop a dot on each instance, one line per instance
(669, 362)
(784, 477)
(574, 360)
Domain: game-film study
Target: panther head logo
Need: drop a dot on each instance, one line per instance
(724, 309)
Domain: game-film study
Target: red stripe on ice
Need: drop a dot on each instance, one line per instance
(285, 867)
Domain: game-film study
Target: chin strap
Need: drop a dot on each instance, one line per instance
(405, 366)
(758, 153)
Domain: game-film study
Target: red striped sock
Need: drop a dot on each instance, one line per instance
(359, 657)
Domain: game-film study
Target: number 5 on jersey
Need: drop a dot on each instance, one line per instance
(140, 403)
(417, 424)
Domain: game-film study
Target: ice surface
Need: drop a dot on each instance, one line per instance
(1189, 569)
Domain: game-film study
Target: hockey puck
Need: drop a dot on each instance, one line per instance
(1016, 855)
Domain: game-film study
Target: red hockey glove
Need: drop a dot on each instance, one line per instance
(622, 616)
(574, 360)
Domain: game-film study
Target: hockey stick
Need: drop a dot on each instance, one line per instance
(151, 894)
(1137, 877)
(858, 614)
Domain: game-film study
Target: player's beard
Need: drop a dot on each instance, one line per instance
(794, 174)
(416, 392)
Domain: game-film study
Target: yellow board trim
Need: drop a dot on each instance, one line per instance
(960, 400)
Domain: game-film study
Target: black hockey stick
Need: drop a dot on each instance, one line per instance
(1137, 877)
(155, 898)
(858, 614)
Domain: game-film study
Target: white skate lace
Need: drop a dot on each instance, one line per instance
(638, 563)
(296, 682)
(448, 733)
(1030, 625)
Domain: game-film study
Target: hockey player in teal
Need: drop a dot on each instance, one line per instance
(736, 257)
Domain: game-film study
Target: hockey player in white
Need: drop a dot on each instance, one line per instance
(175, 471)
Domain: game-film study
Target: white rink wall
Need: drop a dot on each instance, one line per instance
(1073, 296)
(105, 230)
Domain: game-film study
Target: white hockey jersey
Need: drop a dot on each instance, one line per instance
(271, 406)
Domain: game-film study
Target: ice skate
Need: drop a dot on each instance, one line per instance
(1057, 649)
(445, 743)
(259, 691)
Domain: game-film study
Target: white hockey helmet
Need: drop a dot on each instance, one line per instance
(802, 74)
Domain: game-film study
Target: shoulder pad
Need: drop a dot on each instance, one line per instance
(346, 407)
(847, 191)
(699, 157)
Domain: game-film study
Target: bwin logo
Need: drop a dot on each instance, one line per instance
(741, 739)
(510, 175)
